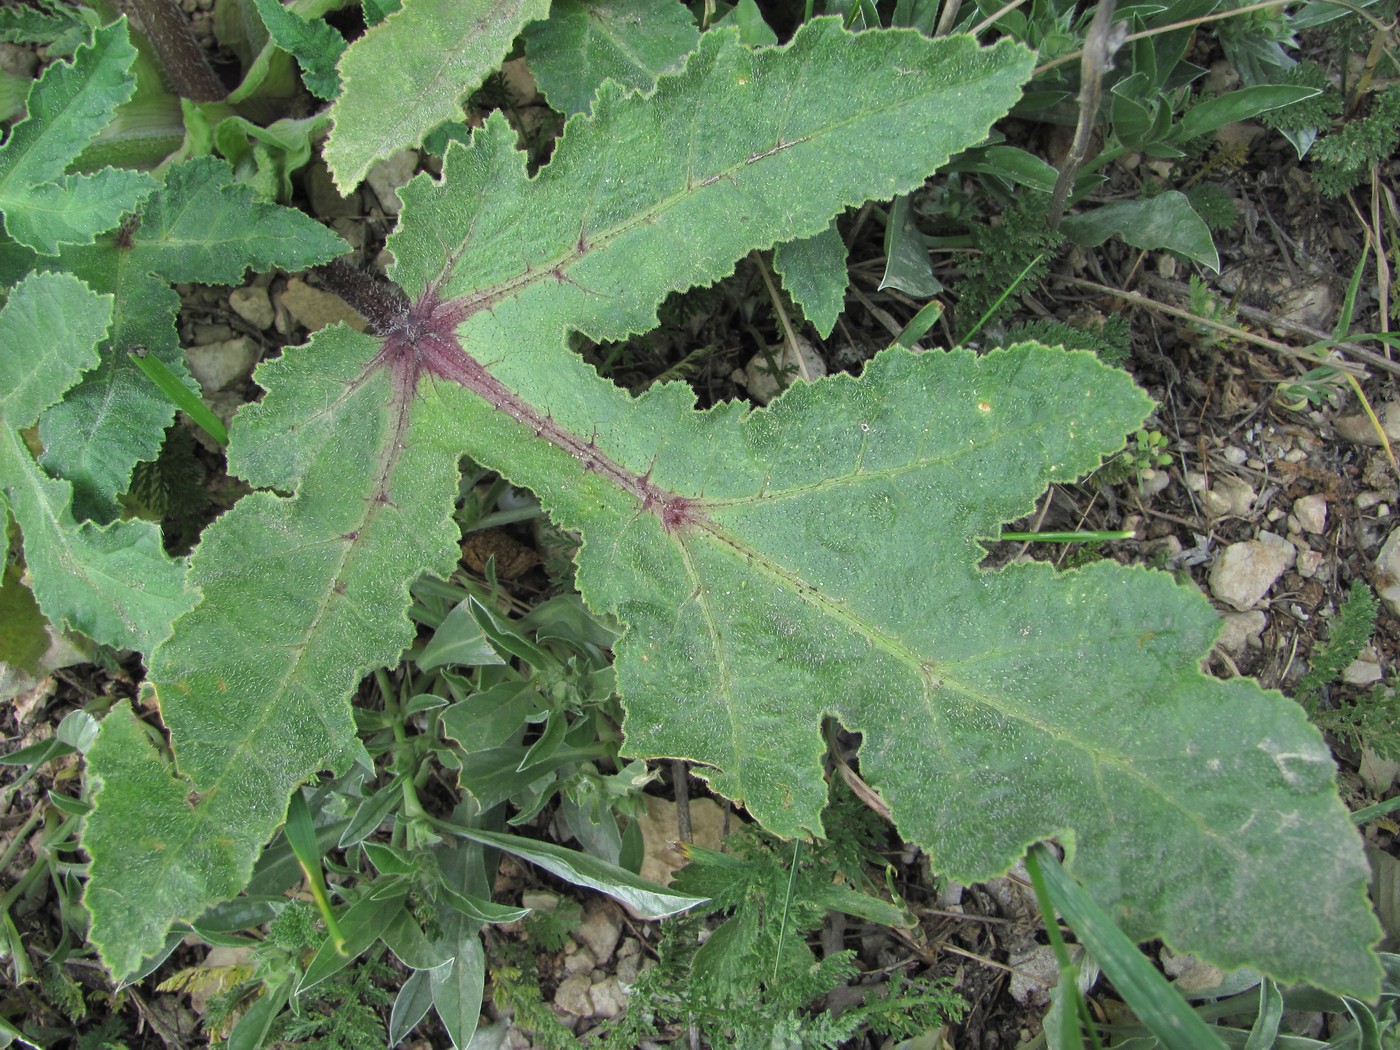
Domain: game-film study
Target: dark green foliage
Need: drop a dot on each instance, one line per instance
(1371, 721)
(1316, 112)
(1110, 338)
(296, 927)
(1344, 157)
(755, 982)
(170, 489)
(58, 27)
(107, 1036)
(342, 1014)
(1004, 250)
(548, 930)
(63, 992)
(515, 987)
(1214, 204)
(1349, 634)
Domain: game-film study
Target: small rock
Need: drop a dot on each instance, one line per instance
(204, 334)
(1241, 630)
(1153, 481)
(253, 304)
(1244, 572)
(1388, 572)
(539, 900)
(1378, 774)
(1365, 669)
(768, 375)
(1310, 304)
(609, 998)
(629, 961)
(388, 175)
(660, 830)
(1311, 512)
(1235, 455)
(1165, 550)
(326, 200)
(581, 961)
(1309, 561)
(1368, 501)
(1359, 430)
(19, 62)
(1237, 495)
(316, 309)
(352, 231)
(219, 366)
(222, 970)
(572, 995)
(1222, 78)
(600, 930)
(1191, 974)
(1033, 974)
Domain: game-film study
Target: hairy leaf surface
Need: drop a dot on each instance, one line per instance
(582, 44)
(773, 567)
(114, 584)
(44, 208)
(813, 270)
(410, 73)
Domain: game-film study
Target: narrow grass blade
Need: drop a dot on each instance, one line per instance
(1154, 1001)
(181, 396)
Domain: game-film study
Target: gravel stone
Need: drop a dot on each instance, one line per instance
(581, 961)
(317, 309)
(1388, 572)
(1309, 562)
(609, 998)
(600, 930)
(1365, 669)
(758, 375)
(388, 175)
(572, 995)
(629, 961)
(1033, 974)
(253, 305)
(1311, 512)
(219, 366)
(1244, 572)
(539, 900)
(1358, 429)
(1231, 496)
(1241, 630)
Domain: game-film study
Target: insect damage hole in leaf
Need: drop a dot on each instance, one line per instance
(817, 558)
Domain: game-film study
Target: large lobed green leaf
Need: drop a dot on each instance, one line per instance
(410, 73)
(773, 567)
(114, 584)
(43, 207)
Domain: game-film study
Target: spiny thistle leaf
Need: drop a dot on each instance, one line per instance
(773, 567)
(42, 206)
(114, 584)
(410, 73)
